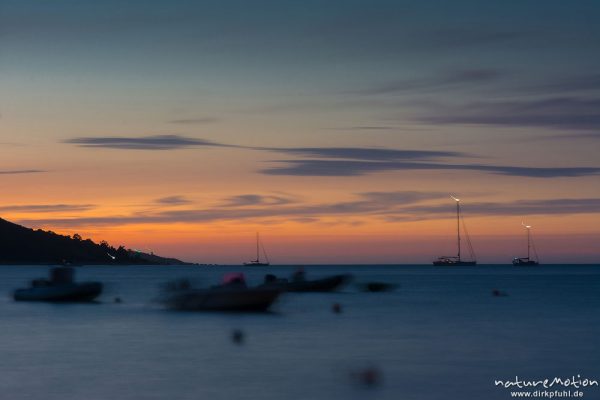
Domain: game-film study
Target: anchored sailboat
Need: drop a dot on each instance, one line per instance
(527, 260)
(457, 260)
(258, 262)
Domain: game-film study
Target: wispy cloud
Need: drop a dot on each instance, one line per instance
(364, 128)
(343, 161)
(473, 36)
(158, 142)
(358, 167)
(401, 197)
(445, 80)
(193, 121)
(21, 171)
(170, 142)
(565, 84)
(366, 153)
(12, 144)
(244, 207)
(558, 113)
(256, 199)
(173, 200)
(387, 206)
(46, 208)
(571, 136)
(521, 207)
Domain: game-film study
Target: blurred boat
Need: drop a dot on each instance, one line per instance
(298, 283)
(232, 295)
(258, 262)
(60, 288)
(377, 287)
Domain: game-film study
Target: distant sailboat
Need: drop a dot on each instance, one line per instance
(258, 262)
(457, 260)
(523, 261)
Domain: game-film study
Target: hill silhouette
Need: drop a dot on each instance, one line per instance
(21, 245)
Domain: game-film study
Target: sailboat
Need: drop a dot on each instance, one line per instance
(457, 260)
(258, 262)
(522, 261)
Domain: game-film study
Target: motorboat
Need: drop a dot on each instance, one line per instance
(233, 294)
(298, 283)
(59, 288)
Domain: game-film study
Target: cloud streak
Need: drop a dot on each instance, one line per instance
(459, 78)
(173, 200)
(341, 161)
(582, 83)
(46, 208)
(521, 207)
(366, 153)
(387, 206)
(250, 206)
(557, 113)
(356, 168)
(256, 200)
(157, 142)
(466, 37)
(21, 171)
(194, 121)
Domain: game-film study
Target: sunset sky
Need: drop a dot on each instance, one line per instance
(338, 129)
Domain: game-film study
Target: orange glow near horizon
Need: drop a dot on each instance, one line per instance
(332, 239)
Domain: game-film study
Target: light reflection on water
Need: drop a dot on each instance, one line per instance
(440, 334)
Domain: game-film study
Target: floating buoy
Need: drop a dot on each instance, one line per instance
(378, 287)
(237, 336)
(336, 308)
(369, 377)
(118, 300)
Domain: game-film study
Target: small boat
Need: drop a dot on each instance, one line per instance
(527, 261)
(299, 284)
(457, 260)
(258, 262)
(232, 295)
(377, 287)
(60, 288)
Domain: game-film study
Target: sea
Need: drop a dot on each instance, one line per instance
(441, 334)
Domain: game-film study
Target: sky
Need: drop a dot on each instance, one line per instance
(337, 129)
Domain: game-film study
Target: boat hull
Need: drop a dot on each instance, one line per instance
(69, 292)
(524, 262)
(451, 263)
(256, 264)
(222, 299)
(328, 284)
(377, 287)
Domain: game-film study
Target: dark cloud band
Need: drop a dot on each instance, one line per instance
(158, 142)
(389, 206)
(357, 167)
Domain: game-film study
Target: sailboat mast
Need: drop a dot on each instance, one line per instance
(257, 252)
(528, 242)
(458, 226)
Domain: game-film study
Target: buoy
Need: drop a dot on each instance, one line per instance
(336, 308)
(369, 377)
(118, 300)
(237, 336)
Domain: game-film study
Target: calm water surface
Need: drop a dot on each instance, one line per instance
(441, 334)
